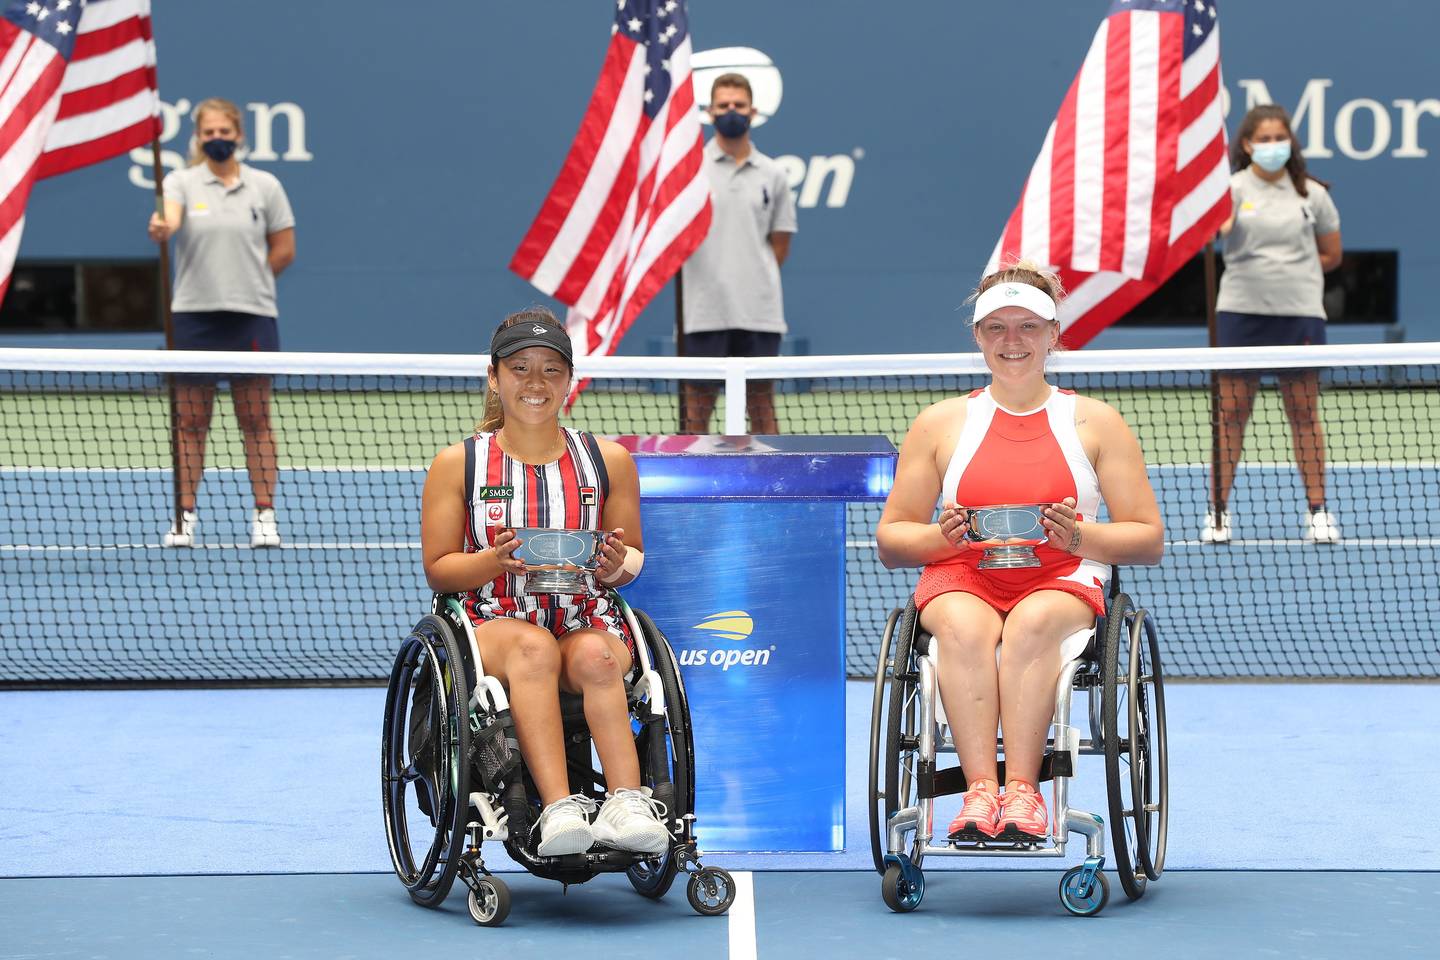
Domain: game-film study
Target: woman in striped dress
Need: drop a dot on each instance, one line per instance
(523, 469)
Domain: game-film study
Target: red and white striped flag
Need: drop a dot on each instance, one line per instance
(77, 86)
(1133, 177)
(632, 201)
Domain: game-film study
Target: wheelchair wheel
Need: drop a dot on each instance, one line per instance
(676, 768)
(1086, 903)
(1133, 718)
(424, 783)
(1150, 778)
(901, 736)
(877, 745)
(710, 891)
(489, 901)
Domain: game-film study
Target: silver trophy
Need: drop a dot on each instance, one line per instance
(1008, 533)
(559, 561)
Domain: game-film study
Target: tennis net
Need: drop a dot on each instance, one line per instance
(91, 594)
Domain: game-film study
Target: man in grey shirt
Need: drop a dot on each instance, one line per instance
(732, 304)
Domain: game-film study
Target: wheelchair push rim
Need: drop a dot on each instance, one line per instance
(902, 740)
(877, 806)
(653, 878)
(432, 646)
(1133, 733)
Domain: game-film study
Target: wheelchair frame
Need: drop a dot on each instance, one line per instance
(498, 796)
(1139, 816)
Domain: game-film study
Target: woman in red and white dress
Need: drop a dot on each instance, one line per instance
(1019, 440)
(523, 469)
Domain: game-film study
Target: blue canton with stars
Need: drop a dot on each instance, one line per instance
(52, 21)
(1200, 16)
(660, 26)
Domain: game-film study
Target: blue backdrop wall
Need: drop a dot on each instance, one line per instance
(416, 142)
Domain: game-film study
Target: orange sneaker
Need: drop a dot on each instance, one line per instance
(1022, 813)
(978, 817)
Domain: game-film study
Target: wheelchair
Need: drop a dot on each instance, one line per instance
(1116, 667)
(452, 776)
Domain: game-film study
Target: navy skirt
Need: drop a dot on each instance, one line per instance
(223, 330)
(1260, 330)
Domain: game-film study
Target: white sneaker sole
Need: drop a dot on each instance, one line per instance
(575, 839)
(641, 840)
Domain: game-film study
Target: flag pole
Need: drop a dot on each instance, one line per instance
(158, 171)
(680, 340)
(1214, 339)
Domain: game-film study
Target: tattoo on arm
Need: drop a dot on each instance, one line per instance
(1074, 539)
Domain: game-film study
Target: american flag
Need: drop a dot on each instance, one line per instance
(632, 201)
(1133, 178)
(77, 86)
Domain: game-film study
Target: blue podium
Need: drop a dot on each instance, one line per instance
(745, 574)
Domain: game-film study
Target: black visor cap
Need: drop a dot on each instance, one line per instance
(530, 333)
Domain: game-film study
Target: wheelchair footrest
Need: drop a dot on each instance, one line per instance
(1005, 842)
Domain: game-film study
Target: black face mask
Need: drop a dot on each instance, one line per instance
(732, 124)
(219, 150)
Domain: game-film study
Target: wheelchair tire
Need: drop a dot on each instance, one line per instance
(653, 878)
(488, 901)
(900, 732)
(900, 894)
(1092, 902)
(430, 654)
(1126, 776)
(876, 803)
(1151, 778)
(710, 891)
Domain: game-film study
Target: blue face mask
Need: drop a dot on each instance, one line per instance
(732, 124)
(219, 150)
(1270, 157)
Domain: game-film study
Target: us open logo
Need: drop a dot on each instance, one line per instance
(727, 625)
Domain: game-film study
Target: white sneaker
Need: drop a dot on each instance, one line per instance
(630, 820)
(565, 826)
(264, 532)
(184, 534)
(1214, 532)
(1321, 527)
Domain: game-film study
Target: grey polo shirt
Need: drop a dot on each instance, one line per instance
(733, 282)
(1272, 263)
(221, 251)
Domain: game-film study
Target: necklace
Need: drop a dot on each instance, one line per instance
(550, 454)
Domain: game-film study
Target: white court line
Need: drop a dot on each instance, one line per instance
(1237, 541)
(180, 551)
(742, 917)
(1287, 465)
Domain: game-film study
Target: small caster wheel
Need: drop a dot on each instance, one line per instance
(710, 891)
(489, 901)
(1091, 901)
(902, 895)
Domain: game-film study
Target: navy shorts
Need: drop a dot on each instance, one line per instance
(223, 330)
(1260, 330)
(732, 343)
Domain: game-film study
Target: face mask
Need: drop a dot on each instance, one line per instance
(1270, 157)
(732, 124)
(219, 150)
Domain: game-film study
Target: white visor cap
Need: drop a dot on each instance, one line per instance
(1024, 295)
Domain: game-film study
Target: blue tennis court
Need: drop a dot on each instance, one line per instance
(244, 822)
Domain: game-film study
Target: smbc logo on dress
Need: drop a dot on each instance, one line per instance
(722, 638)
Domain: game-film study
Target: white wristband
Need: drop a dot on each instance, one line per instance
(634, 560)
